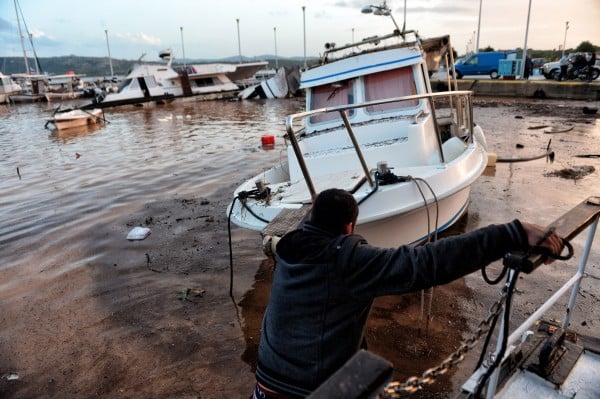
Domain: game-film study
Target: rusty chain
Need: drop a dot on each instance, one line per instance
(414, 384)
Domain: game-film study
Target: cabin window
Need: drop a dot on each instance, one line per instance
(150, 81)
(390, 84)
(125, 85)
(203, 82)
(331, 95)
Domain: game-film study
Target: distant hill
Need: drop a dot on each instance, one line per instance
(99, 66)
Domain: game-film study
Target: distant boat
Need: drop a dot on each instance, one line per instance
(7, 88)
(280, 84)
(75, 118)
(157, 83)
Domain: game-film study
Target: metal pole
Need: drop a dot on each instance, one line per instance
(112, 73)
(523, 66)
(581, 270)
(276, 59)
(478, 28)
(182, 47)
(565, 40)
(404, 24)
(22, 42)
(239, 43)
(304, 32)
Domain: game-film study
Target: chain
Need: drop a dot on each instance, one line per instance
(414, 384)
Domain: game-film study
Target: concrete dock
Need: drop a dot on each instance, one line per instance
(535, 88)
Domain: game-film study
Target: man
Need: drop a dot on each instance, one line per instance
(326, 279)
(564, 65)
(590, 59)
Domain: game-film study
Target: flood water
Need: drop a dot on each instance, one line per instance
(56, 185)
(68, 199)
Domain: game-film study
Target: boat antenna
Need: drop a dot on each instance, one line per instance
(384, 10)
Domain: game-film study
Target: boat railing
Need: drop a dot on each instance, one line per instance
(584, 216)
(460, 106)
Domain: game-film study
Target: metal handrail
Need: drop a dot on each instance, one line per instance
(342, 110)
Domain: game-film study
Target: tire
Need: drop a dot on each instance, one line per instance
(552, 74)
(458, 74)
(494, 74)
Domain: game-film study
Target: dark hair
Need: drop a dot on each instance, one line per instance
(333, 209)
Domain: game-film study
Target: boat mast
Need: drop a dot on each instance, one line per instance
(21, 37)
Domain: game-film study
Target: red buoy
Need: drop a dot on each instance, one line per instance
(267, 140)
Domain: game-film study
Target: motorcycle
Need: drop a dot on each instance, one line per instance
(578, 69)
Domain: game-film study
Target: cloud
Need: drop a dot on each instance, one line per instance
(5, 25)
(139, 38)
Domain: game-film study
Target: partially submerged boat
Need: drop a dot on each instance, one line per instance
(75, 118)
(8, 88)
(281, 84)
(374, 127)
(159, 83)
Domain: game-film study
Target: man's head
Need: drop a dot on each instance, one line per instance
(334, 210)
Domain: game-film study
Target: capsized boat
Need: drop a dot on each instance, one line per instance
(159, 83)
(75, 118)
(374, 127)
(144, 83)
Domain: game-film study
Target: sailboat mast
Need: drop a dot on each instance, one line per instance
(21, 37)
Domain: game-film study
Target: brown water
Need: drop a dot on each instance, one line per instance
(85, 312)
(55, 186)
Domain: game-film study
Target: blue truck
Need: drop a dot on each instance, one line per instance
(482, 63)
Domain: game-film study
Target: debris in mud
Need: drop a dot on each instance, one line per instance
(575, 173)
(559, 129)
(537, 127)
(138, 233)
(190, 294)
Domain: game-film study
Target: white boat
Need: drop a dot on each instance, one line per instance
(374, 127)
(7, 88)
(143, 84)
(76, 118)
(157, 83)
(279, 84)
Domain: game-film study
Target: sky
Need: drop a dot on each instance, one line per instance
(201, 29)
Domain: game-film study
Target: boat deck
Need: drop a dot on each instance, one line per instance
(570, 368)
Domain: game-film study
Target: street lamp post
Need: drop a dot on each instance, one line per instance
(275, 37)
(109, 57)
(523, 62)
(565, 40)
(385, 11)
(304, 32)
(182, 47)
(478, 28)
(239, 44)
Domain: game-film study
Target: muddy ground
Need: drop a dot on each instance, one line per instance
(156, 319)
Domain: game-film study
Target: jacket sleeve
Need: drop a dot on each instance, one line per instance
(370, 271)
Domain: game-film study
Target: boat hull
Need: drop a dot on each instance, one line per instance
(77, 118)
(412, 227)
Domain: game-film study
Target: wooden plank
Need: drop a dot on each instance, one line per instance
(567, 226)
(577, 219)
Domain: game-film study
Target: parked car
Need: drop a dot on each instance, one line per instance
(481, 64)
(551, 70)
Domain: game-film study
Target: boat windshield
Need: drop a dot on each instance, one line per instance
(331, 95)
(390, 84)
